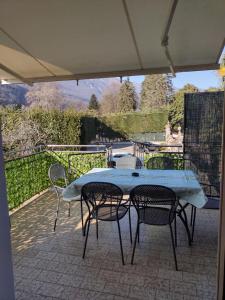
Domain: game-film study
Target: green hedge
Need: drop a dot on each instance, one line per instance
(28, 176)
(122, 126)
(70, 127)
(137, 122)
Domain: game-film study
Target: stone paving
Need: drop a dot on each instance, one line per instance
(48, 265)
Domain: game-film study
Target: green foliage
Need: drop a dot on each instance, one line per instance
(93, 103)
(28, 128)
(122, 125)
(127, 97)
(157, 90)
(176, 109)
(177, 158)
(137, 122)
(28, 176)
(80, 163)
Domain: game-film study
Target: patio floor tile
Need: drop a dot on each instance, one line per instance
(49, 265)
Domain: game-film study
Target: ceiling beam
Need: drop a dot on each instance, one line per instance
(26, 51)
(132, 33)
(16, 75)
(165, 37)
(135, 72)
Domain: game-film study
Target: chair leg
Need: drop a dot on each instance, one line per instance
(97, 225)
(57, 213)
(121, 245)
(138, 234)
(130, 225)
(192, 210)
(173, 244)
(86, 238)
(69, 209)
(193, 224)
(175, 230)
(135, 242)
(82, 217)
(186, 227)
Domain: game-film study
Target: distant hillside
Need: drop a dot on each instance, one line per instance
(85, 88)
(14, 94)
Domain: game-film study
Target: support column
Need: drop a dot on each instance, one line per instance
(6, 269)
(221, 246)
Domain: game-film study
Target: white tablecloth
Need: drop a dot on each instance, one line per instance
(183, 182)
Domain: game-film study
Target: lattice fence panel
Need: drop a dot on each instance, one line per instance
(203, 119)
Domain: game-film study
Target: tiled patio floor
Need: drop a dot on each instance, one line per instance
(48, 265)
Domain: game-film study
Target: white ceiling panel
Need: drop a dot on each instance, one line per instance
(55, 39)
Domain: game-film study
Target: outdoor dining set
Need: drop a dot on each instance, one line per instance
(159, 193)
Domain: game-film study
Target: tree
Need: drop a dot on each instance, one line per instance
(157, 91)
(176, 109)
(127, 97)
(93, 103)
(110, 99)
(46, 96)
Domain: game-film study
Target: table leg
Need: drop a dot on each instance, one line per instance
(184, 220)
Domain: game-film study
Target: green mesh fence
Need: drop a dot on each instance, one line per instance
(78, 164)
(28, 175)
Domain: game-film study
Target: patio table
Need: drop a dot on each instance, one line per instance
(183, 182)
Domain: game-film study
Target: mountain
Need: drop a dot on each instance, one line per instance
(12, 94)
(15, 94)
(85, 88)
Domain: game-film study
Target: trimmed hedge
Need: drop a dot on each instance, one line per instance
(70, 127)
(123, 126)
(137, 122)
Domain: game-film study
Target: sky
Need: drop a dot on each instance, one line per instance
(202, 79)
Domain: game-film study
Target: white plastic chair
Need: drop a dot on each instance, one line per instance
(55, 173)
(126, 162)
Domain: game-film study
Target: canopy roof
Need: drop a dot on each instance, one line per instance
(76, 39)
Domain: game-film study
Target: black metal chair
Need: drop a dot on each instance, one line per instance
(211, 193)
(155, 205)
(160, 163)
(104, 202)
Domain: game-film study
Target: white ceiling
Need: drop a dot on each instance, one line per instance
(55, 39)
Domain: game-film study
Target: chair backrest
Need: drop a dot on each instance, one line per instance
(126, 162)
(143, 196)
(97, 194)
(160, 163)
(139, 163)
(56, 172)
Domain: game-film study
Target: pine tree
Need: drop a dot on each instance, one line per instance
(93, 103)
(127, 97)
(157, 91)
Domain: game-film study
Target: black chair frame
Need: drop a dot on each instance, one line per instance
(149, 198)
(111, 199)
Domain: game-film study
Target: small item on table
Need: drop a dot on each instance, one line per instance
(135, 174)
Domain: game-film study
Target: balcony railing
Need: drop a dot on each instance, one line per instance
(27, 170)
